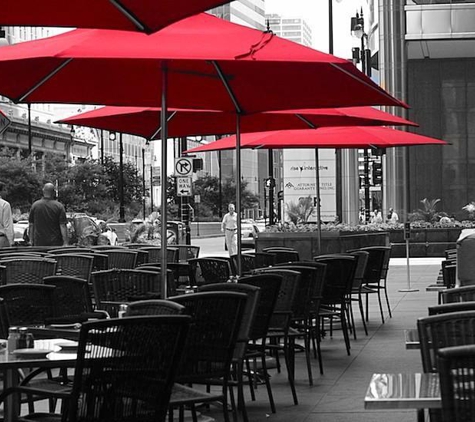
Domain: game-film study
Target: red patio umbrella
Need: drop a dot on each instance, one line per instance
(327, 137)
(131, 15)
(199, 62)
(145, 121)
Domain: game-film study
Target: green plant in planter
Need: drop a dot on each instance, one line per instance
(470, 208)
(429, 213)
(301, 212)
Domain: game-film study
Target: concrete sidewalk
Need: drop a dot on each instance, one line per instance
(338, 395)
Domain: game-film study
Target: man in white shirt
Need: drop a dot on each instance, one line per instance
(6, 223)
(229, 227)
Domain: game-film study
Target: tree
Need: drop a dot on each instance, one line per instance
(20, 181)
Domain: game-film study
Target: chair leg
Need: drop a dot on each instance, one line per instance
(241, 404)
(360, 304)
(380, 305)
(267, 381)
(319, 350)
(345, 330)
(387, 300)
(351, 319)
(289, 357)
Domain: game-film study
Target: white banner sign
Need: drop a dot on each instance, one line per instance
(300, 180)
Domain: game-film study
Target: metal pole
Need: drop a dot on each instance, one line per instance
(143, 183)
(317, 189)
(366, 184)
(220, 191)
(30, 140)
(185, 200)
(121, 181)
(270, 155)
(238, 190)
(151, 188)
(102, 146)
(164, 137)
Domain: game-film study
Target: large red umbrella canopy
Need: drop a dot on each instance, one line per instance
(212, 64)
(328, 137)
(145, 121)
(131, 15)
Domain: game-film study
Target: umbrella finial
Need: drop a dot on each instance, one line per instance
(267, 25)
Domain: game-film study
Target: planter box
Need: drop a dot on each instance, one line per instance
(424, 242)
(306, 243)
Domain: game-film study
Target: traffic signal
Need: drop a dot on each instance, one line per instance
(377, 173)
(270, 183)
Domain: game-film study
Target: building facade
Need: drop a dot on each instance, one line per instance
(427, 59)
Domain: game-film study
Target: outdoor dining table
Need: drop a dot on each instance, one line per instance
(411, 338)
(404, 391)
(11, 363)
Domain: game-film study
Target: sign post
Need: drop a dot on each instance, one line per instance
(407, 236)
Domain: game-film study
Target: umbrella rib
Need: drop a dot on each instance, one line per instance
(44, 80)
(382, 91)
(160, 128)
(228, 87)
(130, 16)
(306, 121)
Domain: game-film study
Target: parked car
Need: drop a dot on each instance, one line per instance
(20, 233)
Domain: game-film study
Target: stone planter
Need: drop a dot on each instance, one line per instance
(424, 242)
(306, 243)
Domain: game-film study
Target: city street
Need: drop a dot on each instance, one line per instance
(210, 246)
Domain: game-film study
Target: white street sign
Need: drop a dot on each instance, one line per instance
(183, 166)
(4, 122)
(183, 186)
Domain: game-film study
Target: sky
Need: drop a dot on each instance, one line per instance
(315, 12)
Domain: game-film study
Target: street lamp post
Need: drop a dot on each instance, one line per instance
(364, 55)
(143, 182)
(121, 181)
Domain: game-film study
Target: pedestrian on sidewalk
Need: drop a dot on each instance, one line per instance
(229, 227)
(6, 222)
(48, 220)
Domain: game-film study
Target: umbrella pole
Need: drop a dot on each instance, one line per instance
(163, 227)
(317, 192)
(238, 191)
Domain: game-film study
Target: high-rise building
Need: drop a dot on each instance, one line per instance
(293, 29)
(427, 57)
(244, 12)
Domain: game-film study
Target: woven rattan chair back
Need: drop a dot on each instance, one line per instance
(74, 265)
(113, 287)
(209, 270)
(71, 294)
(121, 258)
(252, 293)
(283, 256)
(154, 254)
(278, 248)
(459, 294)
(4, 324)
(186, 252)
(339, 275)
(269, 285)
(216, 319)
(360, 270)
(69, 250)
(28, 270)
(126, 368)
(107, 247)
(449, 273)
(286, 297)
(171, 277)
(248, 262)
(154, 307)
(28, 304)
(457, 382)
(310, 289)
(264, 259)
(447, 308)
(444, 330)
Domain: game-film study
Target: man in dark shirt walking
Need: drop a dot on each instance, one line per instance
(48, 220)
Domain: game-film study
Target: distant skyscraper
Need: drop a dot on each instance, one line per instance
(294, 29)
(244, 12)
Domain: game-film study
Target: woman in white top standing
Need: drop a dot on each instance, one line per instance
(229, 227)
